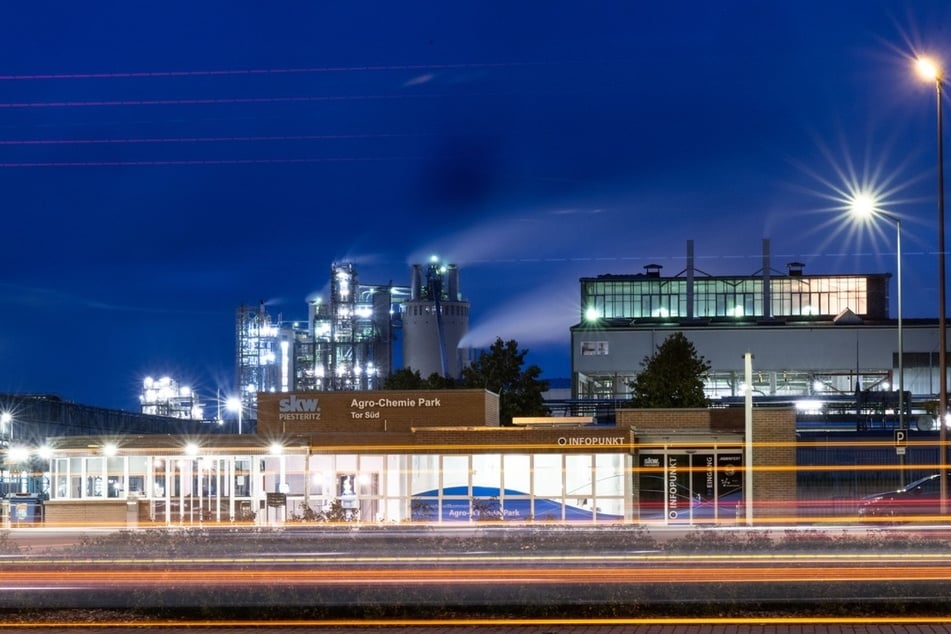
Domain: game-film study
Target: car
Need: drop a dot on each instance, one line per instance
(918, 499)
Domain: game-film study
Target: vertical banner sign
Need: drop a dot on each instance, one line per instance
(703, 478)
(678, 496)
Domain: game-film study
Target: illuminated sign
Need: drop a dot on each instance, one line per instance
(389, 410)
(294, 408)
(591, 440)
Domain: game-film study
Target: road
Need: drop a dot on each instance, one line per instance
(465, 581)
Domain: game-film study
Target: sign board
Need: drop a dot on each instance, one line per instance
(276, 499)
(901, 437)
(377, 411)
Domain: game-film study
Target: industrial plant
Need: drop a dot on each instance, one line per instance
(351, 340)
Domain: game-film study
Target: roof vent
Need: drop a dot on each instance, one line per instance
(847, 317)
(652, 270)
(795, 269)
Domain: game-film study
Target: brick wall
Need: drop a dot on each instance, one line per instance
(774, 464)
(79, 513)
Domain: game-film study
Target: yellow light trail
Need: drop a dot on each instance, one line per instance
(266, 577)
(324, 559)
(369, 624)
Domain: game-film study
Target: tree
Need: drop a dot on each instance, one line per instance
(403, 379)
(409, 379)
(499, 370)
(672, 377)
(436, 381)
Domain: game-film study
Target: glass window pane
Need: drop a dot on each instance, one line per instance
(517, 473)
(578, 481)
(455, 474)
(548, 475)
(609, 474)
(487, 472)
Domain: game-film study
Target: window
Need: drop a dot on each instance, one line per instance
(827, 297)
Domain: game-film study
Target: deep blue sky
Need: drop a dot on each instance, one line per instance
(163, 162)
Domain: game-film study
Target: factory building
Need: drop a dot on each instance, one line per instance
(350, 339)
(441, 456)
(821, 336)
(345, 344)
(166, 397)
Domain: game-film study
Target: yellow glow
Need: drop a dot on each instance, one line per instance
(928, 69)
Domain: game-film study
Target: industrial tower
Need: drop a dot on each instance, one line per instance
(351, 335)
(435, 319)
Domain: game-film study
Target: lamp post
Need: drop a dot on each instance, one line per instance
(930, 71)
(6, 433)
(6, 425)
(864, 206)
(234, 404)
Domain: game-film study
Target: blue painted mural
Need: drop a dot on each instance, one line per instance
(459, 504)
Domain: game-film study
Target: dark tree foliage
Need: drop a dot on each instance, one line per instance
(499, 370)
(409, 379)
(403, 379)
(672, 377)
(437, 381)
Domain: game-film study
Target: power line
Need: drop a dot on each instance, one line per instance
(276, 71)
(214, 139)
(20, 105)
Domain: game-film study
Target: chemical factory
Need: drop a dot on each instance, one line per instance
(351, 338)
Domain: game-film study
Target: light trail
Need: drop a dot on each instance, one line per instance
(164, 579)
(331, 559)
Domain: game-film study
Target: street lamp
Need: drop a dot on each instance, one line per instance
(6, 425)
(930, 71)
(234, 404)
(864, 206)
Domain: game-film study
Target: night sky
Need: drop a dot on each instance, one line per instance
(162, 163)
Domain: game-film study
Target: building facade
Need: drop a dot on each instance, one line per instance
(425, 456)
(810, 335)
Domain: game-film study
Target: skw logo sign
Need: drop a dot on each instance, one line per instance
(294, 404)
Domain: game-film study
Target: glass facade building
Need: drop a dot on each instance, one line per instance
(180, 488)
